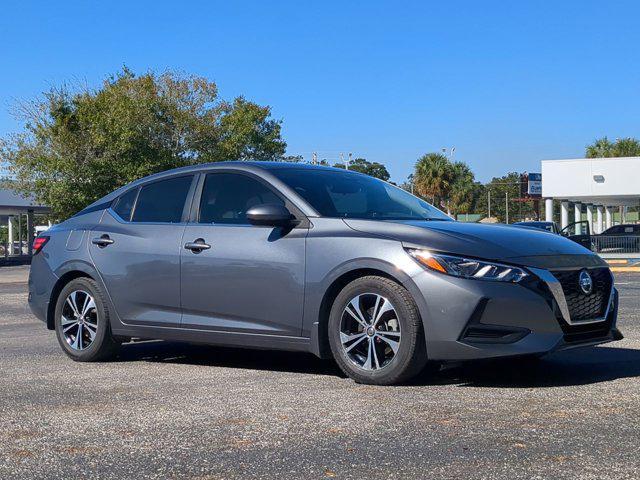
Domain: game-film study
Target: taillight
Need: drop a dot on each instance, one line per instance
(39, 242)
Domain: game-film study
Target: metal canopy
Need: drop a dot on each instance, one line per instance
(599, 181)
(12, 203)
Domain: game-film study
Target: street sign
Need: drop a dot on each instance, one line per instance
(534, 184)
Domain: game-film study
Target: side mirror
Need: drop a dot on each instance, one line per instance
(270, 215)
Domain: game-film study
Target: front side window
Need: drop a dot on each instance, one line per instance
(226, 197)
(352, 195)
(163, 201)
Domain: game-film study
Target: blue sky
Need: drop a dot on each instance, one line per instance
(506, 83)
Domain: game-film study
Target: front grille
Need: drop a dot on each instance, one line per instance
(582, 306)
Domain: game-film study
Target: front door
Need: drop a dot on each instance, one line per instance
(136, 250)
(579, 232)
(244, 278)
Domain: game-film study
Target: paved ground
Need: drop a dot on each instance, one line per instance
(178, 411)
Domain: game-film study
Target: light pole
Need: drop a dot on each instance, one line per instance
(506, 205)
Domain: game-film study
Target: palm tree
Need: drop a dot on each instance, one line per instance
(462, 189)
(600, 148)
(627, 147)
(433, 176)
(622, 147)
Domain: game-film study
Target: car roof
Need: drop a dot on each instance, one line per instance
(625, 225)
(257, 167)
(246, 164)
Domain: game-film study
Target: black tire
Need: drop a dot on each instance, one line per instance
(411, 355)
(103, 346)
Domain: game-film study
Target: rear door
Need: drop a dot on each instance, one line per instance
(246, 279)
(136, 250)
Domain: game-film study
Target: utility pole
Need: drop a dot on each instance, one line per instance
(349, 161)
(342, 161)
(489, 203)
(506, 205)
(20, 231)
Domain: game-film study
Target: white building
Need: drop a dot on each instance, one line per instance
(595, 186)
(22, 210)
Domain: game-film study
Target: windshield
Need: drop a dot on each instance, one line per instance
(353, 195)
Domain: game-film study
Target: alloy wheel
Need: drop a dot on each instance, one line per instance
(79, 321)
(370, 331)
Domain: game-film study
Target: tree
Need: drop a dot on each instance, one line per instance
(362, 165)
(622, 147)
(461, 193)
(79, 145)
(408, 184)
(447, 184)
(293, 159)
(433, 177)
(504, 190)
(247, 133)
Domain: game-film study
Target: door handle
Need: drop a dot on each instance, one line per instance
(197, 246)
(102, 241)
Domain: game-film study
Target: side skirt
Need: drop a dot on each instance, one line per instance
(224, 339)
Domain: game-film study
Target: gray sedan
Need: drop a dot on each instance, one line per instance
(309, 258)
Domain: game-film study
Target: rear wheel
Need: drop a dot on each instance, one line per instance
(375, 332)
(82, 322)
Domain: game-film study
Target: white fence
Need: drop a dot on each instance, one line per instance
(608, 244)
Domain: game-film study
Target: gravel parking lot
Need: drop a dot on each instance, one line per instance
(169, 410)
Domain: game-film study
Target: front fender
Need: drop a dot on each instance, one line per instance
(387, 257)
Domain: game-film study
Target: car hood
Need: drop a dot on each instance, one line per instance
(523, 246)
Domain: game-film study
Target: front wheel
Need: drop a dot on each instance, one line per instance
(82, 322)
(375, 332)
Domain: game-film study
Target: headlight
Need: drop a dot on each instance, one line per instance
(467, 267)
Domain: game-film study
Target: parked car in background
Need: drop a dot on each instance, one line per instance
(623, 230)
(570, 231)
(547, 226)
(315, 259)
(623, 238)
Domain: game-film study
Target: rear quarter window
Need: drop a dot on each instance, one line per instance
(124, 204)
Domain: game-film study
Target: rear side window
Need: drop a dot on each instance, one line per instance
(163, 201)
(125, 203)
(226, 197)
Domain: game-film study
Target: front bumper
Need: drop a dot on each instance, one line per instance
(473, 319)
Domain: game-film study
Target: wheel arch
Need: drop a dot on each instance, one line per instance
(65, 274)
(319, 332)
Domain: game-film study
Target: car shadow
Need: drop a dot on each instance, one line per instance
(569, 368)
(206, 355)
